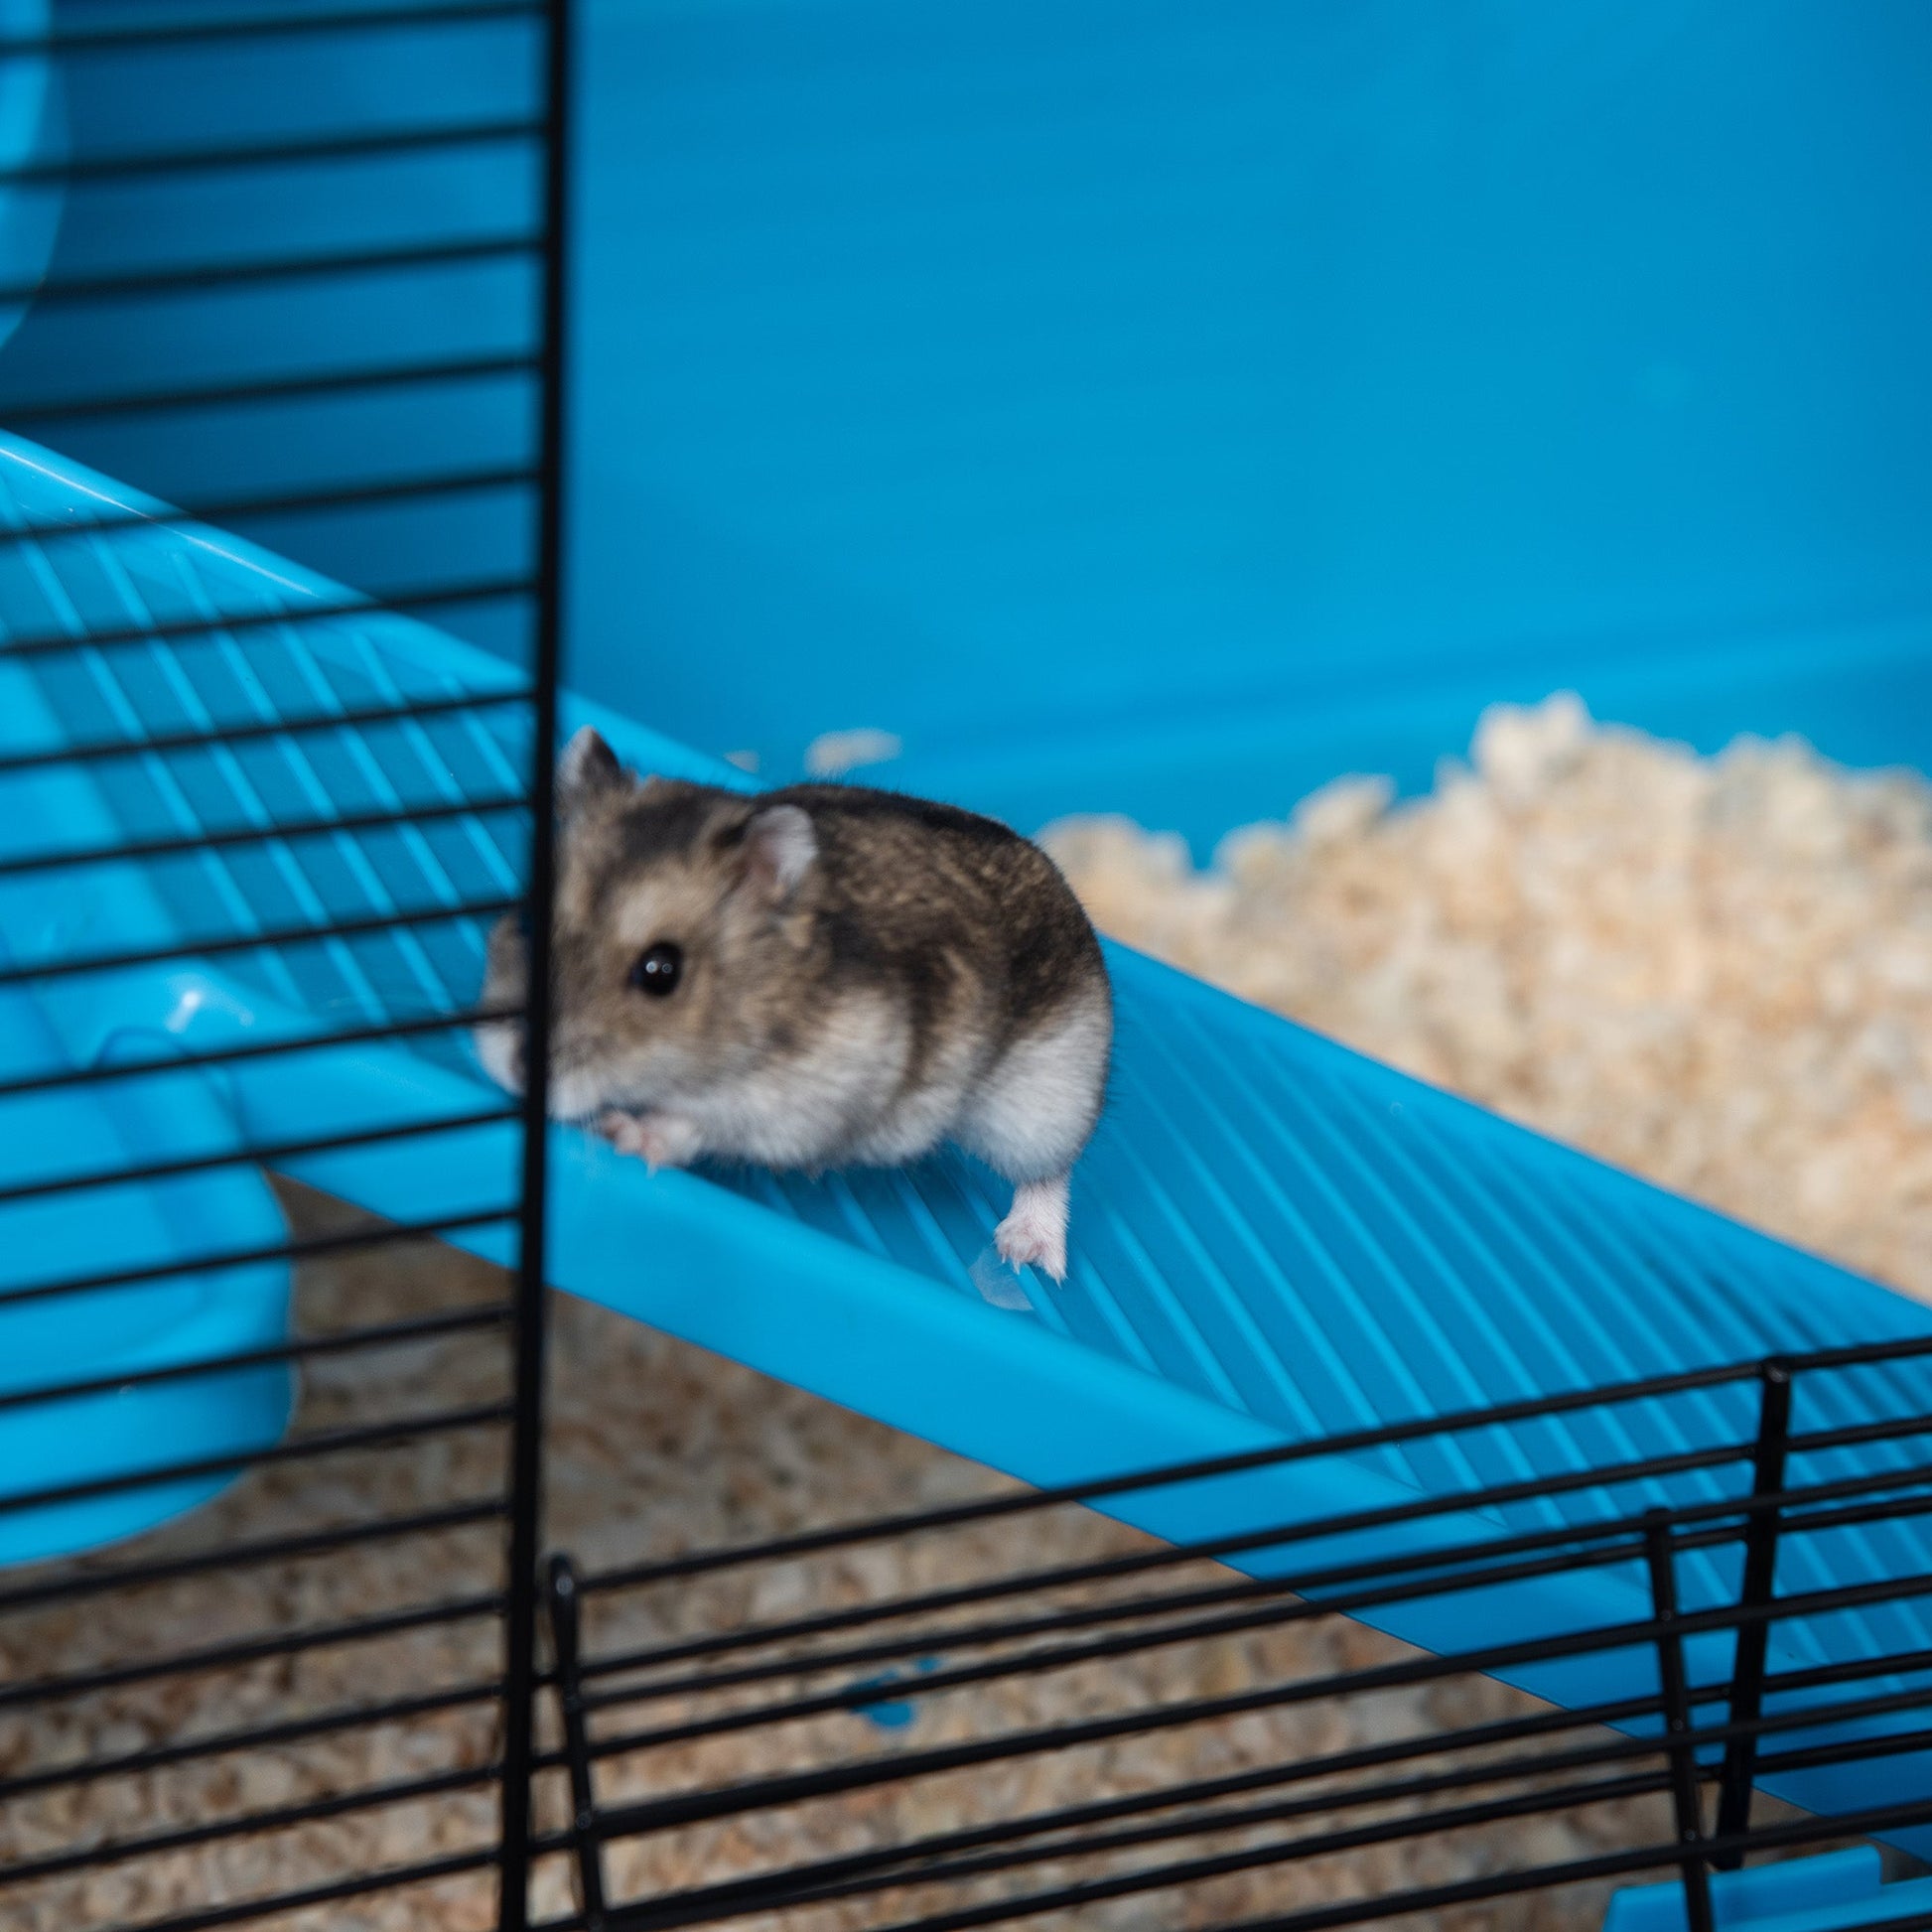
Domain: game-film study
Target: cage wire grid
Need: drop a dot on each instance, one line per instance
(214, 761)
(232, 779)
(1695, 1740)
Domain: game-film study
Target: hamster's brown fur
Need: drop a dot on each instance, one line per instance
(860, 976)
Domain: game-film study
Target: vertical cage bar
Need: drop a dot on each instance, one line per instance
(526, 1441)
(566, 1648)
(1677, 1722)
(1761, 1577)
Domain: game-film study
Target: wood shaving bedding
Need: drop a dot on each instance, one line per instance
(654, 1448)
(1715, 972)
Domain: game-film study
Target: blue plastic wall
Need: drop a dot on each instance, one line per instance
(1165, 406)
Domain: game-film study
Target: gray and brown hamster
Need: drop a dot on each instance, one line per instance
(817, 977)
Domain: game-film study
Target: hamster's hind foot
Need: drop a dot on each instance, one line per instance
(1034, 1234)
(657, 1140)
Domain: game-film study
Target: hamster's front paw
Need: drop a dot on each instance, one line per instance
(1034, 1234)
(657, 1140)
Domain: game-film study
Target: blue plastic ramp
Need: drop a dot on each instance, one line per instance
(1833, 1889)
(1274, 1239)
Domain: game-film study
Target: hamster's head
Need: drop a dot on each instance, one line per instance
(681, 939)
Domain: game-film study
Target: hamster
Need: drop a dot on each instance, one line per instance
(817, 977)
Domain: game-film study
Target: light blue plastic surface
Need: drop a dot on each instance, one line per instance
(1273, 1238)
(53, 1231)
(1837, 1891)
(47, 1139)
(1796, 1895)
(1165, 406)
(1911, 1898)
(1145, 405)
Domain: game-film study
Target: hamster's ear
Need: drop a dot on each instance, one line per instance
(587, 768)
(780, 844)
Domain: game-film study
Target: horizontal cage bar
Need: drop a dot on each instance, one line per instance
(302, 1248)
(322, 1442)
(277, 26)
(252, 1737)
(245, 1555)
(275, 154)
(21, 410)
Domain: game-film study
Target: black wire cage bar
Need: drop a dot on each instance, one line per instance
(846, 1706)
(187, 1673)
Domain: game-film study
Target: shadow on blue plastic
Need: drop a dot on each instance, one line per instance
(32, 134)
(61, 1449)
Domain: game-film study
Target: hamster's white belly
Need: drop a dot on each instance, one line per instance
(843, 1101)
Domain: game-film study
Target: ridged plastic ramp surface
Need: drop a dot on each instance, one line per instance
(1273, 1238)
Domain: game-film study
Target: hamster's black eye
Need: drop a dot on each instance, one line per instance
(659, 969)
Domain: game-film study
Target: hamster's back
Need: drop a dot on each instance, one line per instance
(933, 887)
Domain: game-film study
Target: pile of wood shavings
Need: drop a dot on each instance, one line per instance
(1715, 972)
